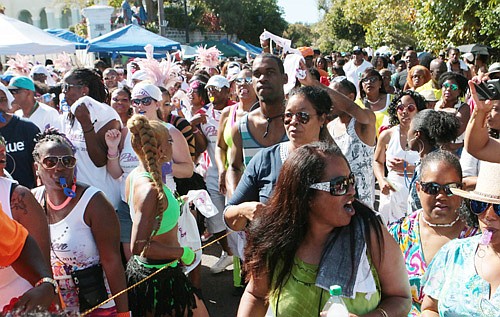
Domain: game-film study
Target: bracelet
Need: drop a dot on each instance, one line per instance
(124, 314)
(196, 130)
(89, 130)
(112, 158)
(382, 312)
(188, 256)
(49, 280)
(114, 154)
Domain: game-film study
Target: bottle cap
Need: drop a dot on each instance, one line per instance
(335, 290)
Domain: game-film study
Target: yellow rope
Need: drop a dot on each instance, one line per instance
(150, 276)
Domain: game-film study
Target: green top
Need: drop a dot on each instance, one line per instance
(170, 215)
(300, 297)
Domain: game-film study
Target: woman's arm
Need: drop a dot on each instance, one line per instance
(391, 269)
(379, 161)
(236, 164)
(429, 307)
(221, 151)
(477, 141)
(182, 164)
(113, 139)
(463, 115)
(253, 301)
(101, 217)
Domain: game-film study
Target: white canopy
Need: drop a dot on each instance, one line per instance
(26, 39)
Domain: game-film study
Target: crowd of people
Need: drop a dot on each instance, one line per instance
(96, 163)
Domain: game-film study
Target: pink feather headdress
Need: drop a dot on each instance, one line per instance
(158, 73)
(20, 65)
(63, 62)
(208, 58)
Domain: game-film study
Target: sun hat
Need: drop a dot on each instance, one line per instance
(218, 81)
(488, 185)
(146, 89)
(494, 68)
(21, 82)
(429, 95)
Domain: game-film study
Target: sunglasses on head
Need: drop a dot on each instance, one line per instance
(478, 207)
(338, 186)
(243, 81)
(371, 79)
(432, 188)
(452, 86)
(411, 107)
(50, 162)
(144, 101)
(301, 116)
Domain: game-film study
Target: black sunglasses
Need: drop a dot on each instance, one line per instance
(50, 162)
(478, 207)
(338, 186)
(371, 79)
(302, 116)
(145, 101)
(432, 188)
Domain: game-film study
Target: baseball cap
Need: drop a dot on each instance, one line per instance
(145, 89)
(494, 68)
(306, 51)
(21, 82)
(39, 69)
(218, 81)
(357, 49)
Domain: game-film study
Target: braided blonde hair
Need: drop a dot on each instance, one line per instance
(147, 137)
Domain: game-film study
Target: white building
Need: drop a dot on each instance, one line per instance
(44, 13)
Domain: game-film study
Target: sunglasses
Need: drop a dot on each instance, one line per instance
(371, 80)
(478, 207)
(15, 91)
(243, 81)
(65, 86)
(411, 107)
(452, 86)
(432, 188)
(213, 89)
(301, 116)
(50, 162)
(339, 186)
(144, 101)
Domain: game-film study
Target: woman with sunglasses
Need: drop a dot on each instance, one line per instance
(313, 234)
(463, 277)
(392, 153)
(155, 244)
(305, 122)
(442, 218)
(228, 118)
(453, 87)
(87, 131)
(84, 230)
(429, 130)
(374, 96)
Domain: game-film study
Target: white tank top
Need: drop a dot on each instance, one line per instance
(11, 284)
(72, 242)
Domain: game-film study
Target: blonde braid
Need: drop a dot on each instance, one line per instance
(145, 143)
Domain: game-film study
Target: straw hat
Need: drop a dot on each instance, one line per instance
(487, 187)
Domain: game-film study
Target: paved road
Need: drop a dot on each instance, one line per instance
(218, 289)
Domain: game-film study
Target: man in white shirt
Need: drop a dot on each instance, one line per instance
(23, 90)
(355, 67)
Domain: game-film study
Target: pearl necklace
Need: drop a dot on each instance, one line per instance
(439, 225)
(373, 102)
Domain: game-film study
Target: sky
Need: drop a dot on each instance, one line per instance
(300, 11)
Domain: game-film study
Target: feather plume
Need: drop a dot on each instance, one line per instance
(63, 62)
(20, 65)
(159, 73)
(208, 58)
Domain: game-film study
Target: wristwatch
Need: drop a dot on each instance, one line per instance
(48, 280)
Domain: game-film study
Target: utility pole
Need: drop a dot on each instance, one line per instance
(161, 18)
(187, 22)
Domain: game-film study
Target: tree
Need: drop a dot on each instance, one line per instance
(300, 34)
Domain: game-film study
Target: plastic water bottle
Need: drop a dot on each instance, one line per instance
(335, 307)
(64, 105)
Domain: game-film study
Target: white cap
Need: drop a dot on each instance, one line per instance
(145, 89)
(218, 81)
(39, 69)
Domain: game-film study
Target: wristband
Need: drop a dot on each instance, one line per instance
(382, 312)
(188, 256)
(113, 158)
(48, 280)
(112, 154)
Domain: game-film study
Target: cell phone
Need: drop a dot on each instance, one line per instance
(488, 89)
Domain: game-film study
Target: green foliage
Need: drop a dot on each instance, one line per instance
(300, 34)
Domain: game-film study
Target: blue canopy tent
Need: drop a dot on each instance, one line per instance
(252, 48)
(131, 39)
(80, 42)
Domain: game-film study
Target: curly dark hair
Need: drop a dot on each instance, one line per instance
(50, 135)
(275, 236)
(392, 110)
(461, 81)
(438, 127)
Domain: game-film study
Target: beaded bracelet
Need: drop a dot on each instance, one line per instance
(382, 312)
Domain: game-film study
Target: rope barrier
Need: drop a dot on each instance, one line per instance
(150, 276)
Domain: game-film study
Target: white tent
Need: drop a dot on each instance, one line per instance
(26, 39)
